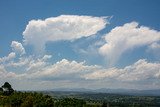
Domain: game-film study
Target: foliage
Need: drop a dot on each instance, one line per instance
(37, 99)
(70, 102)
(27, 99)
(7, 89)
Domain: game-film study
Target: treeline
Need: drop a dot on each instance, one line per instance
(11, 98)
(34, 99)
(117, 100)
(26, 99)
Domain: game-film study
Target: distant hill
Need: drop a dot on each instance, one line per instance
(155, 92)
(135, 92)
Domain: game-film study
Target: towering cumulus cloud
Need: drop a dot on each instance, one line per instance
(122, 38)
(64, 27)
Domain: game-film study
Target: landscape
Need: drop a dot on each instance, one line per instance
(79, 53)
(78, 98)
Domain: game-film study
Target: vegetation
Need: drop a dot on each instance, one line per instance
(6, 89)
(11, 98)
(26, 99)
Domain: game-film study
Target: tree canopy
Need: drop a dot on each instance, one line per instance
(7, 89)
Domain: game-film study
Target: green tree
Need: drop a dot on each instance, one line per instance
(104, 104)
(1, 90)
(7, 89)
(28, 102)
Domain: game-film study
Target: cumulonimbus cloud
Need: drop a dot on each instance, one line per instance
(64, 27)
(129, 36)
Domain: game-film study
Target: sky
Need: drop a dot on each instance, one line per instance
(93, 44)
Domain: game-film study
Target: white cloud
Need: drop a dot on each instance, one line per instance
(155, 46)
(30, 63)
(102, 74)
(38, 64)
(64, 27)
(129, 36)
(73, 73)
(46, 57)
(35, 65)
(17, 47)
(21, 62)
(64, 69)
(155, 49)
(139, 71)
(4, 74)
(34, 71)
(78, 72)
(11, 56)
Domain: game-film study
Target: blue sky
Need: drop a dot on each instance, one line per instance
(97, 42)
